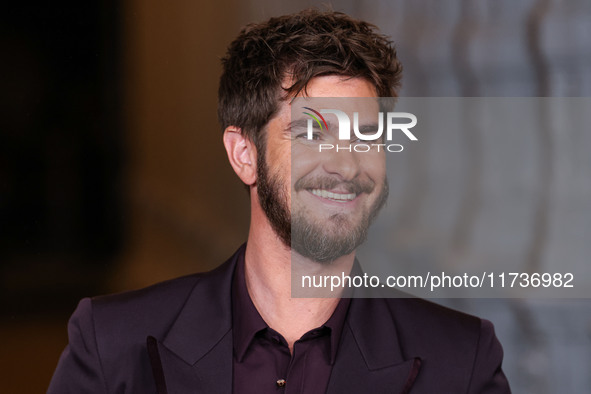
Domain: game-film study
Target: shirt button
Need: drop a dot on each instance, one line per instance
(281, 383)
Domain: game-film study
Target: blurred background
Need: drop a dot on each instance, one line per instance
(113, 175)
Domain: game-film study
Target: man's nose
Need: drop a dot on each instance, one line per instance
(343, 161)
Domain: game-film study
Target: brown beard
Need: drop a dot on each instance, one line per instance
(303, 236)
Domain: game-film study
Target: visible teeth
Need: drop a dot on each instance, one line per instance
(333, 196)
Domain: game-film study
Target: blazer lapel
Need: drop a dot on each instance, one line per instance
(196, 354)
(212, 373)
(370, 358)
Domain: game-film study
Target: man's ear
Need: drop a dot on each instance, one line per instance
(241, 153)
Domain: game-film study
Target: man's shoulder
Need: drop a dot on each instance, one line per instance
(420, 313)
(427, 328)
(159, 293)
(422, 327)
(147, 305)
(110, 335)
(464, 344)
(151, 311)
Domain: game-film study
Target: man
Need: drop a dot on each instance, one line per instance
(237, 329)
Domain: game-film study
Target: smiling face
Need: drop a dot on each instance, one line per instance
(321, 204)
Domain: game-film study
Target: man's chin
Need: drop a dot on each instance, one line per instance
(327, 243)
(323, 257)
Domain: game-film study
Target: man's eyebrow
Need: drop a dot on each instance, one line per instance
(298, 123)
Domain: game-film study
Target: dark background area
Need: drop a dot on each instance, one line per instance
(62, 153)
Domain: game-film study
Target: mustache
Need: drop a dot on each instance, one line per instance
(356, 186)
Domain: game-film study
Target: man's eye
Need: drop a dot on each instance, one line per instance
(315, 136)
(356, 140)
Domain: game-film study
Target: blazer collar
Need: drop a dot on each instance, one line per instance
(191, 336)
(195, 356)
(371, 358)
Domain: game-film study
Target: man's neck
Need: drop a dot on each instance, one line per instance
(268, 272)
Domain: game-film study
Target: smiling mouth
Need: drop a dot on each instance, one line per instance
(333, 196)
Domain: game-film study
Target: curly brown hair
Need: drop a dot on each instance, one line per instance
(300, 46)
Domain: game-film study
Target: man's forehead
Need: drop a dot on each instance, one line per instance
(333, 85)
(351, 94)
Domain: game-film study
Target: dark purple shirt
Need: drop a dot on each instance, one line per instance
(262, 361)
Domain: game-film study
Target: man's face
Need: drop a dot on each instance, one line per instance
(320, 204)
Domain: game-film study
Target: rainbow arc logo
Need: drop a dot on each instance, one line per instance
(318, 115)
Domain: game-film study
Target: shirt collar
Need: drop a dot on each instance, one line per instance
(246, 320)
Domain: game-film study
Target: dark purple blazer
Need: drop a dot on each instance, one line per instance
(176, 337)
